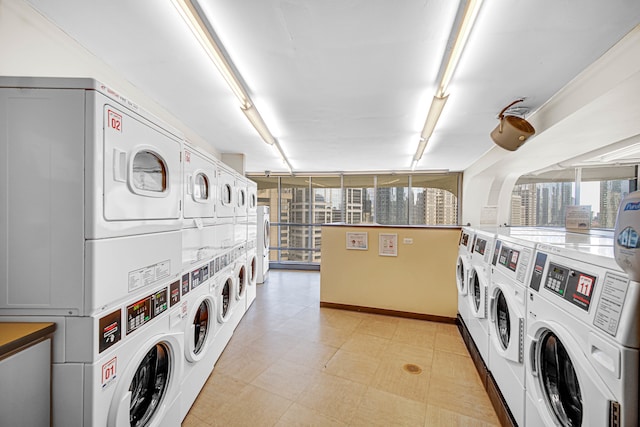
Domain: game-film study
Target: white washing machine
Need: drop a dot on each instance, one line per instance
(241, 278)
(223, 288)
(478, 289)
(262, 245)
(200, 329)
(200, 186)
(511, 268)
(463, 266)
(109, 168)
(122, 366)
(582, 340)
(252, 240)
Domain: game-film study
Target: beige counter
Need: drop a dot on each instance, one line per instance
(419, 282)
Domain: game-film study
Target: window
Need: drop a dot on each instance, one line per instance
(201, 188)
(300, 205)
(542, 200)
(149, 172)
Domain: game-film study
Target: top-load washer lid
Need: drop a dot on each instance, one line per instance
(149, 385)
(559, 381)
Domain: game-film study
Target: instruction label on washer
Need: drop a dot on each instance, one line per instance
(525, 257)
(149, 275)
(614, 291)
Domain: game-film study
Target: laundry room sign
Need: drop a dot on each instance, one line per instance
(148, 275)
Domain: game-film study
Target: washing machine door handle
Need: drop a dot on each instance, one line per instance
(492, 303)
(533, 358)
(119, 165)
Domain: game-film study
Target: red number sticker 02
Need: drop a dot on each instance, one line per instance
(115, 120)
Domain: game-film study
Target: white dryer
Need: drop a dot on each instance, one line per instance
(463, 267)
(227, 200)
(201, 327)
(109, 168)
(511, 268)
(200, 186)
(582, 340)
(478, 289)
(262, 245)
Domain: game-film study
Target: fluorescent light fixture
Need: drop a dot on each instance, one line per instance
(256, 120)
(470, 14)
(280, 153)
(199, 29)
(440, 99)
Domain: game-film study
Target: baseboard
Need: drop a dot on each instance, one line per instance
(385, 312)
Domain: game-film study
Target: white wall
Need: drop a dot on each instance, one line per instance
(598, 108)
(30, 45)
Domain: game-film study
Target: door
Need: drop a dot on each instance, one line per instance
(507, 324)
(141, 169)
(224, 313)
(566, 387)
(477, 294)
(461, 276)
(199, 329)
(227, 199)
(199, 186)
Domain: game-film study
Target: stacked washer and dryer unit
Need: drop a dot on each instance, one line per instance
(128, 244)
(199, 247)
(91, 189)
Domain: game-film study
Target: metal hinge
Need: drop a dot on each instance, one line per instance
(614, 414)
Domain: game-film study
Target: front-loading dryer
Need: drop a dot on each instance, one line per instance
(463, 267)
(227, 199)
(581, 346)
(109, 168)
(200, 187)
(478, 289)
(511, 268)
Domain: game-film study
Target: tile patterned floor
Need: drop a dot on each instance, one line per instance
(292, 363)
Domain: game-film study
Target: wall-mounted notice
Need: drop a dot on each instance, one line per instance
(489, 215)
(388, 244)
(357, 241)
(578, 217)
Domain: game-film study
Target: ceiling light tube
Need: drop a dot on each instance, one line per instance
(470, 14)
(284, 159)
(620, 153)
(200, 31)
(437, 105)
(256, 120)
(414, 163)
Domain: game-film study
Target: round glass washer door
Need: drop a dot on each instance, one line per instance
(476, 289)
(252, 270)
(201, 326)
(460, 276)
(241, 281)
(503, 320)
(559, 381)
(149, 385)
(226, 294)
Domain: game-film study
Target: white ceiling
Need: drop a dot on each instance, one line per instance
(345, 85)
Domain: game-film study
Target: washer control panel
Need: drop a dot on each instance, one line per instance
(572, 285)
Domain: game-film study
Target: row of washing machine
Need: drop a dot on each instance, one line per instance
(554, 322)
(126, 237)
